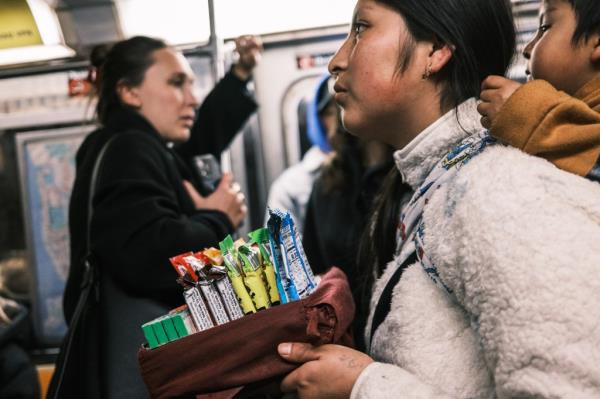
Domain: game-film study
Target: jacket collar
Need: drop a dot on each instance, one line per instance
(416, 160)
(124, 119)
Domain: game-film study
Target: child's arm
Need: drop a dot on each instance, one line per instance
(542, 121)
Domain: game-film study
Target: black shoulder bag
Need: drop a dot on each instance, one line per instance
(75, 354)
(98, 357)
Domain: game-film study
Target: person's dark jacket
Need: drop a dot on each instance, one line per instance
(335, 221)
(142, 216)
(142, 212)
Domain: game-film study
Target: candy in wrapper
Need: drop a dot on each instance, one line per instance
(183, 322)
(198, 309)
(295, 258)
(235, 275)
(218, 275)
(261, 238)
(159, 332)
(285, 285)
(215, 305)
(253, 277)
(214, 255)
(150, 335)
(182, 267)
(209, 291)
(169, 328)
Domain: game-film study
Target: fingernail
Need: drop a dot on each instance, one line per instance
(284, 349)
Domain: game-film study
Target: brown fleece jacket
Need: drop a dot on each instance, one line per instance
(548, 123)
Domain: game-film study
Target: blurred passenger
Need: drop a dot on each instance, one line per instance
(291, 190)
(148, 204)
(340, 204)
(18, 375)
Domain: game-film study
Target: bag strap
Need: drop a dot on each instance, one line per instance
(89, 280)
(93, 189)
(385, 300)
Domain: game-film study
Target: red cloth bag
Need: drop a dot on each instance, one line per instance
(219, 362)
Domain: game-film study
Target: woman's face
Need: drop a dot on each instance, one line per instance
(377, 99)
(166, 96)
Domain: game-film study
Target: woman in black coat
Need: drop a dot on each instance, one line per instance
(148, 204)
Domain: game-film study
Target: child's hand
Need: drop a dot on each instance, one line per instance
(495, 90)
(327, 372)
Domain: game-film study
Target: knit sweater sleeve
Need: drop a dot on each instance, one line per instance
(548, 123)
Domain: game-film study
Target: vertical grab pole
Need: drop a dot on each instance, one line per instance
(216, 44)
(218, 69)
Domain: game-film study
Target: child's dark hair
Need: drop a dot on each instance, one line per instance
(482, 36)
(125, 63)
(587, 13)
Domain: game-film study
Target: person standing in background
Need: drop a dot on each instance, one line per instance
(291, 190)
(148, 204)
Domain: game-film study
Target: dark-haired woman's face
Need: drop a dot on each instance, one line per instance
(377, 99)
(166, 95)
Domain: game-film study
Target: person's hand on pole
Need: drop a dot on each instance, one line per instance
(249, 48)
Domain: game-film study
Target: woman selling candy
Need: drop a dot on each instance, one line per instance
(146, 205)
(486, 280)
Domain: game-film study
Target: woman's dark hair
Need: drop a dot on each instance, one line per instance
(347, 149)
(125, 63)
(587, 13)
(338, 165)
(481, 34)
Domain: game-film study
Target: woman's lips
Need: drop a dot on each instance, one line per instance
(340, 97)
(340, 93)
(187, 120)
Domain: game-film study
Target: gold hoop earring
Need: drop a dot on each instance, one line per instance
(427, 73)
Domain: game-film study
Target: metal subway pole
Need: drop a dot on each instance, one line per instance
(218, 69)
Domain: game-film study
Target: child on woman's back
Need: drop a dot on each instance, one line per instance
(557, 115)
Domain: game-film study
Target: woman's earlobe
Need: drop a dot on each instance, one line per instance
(129, 95)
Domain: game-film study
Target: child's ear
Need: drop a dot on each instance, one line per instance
(595, 56)
(439, 57)
(129, 95)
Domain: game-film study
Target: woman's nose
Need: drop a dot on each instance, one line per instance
(339, 62)
(529, 47)
(192, 97)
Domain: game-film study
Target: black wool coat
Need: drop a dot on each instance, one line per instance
(142, 213)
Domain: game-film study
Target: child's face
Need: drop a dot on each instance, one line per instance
(551, 54)
(374, 95)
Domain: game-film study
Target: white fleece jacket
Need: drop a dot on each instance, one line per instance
(518, 242)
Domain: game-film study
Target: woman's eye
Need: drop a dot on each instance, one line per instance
(177, 82)
(358, 28)
(544, 27)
